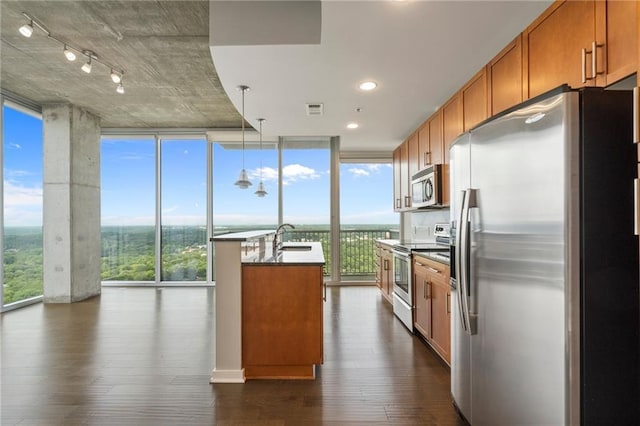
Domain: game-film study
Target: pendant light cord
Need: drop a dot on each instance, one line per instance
(243, 90)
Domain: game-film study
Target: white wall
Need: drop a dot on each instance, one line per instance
(418, 226)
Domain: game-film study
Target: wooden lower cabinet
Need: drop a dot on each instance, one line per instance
(432, 300)
(282, 314)
(384, 266)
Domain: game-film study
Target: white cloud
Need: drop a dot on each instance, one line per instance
(294, 172)
(22, 205)
(290, 173)
(15, 145)
(358, 172)
(170, 209)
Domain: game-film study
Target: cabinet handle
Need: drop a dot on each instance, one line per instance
(398, 204)
(594, 66)
(584, 65)
(428, 287)
(418, 263)
(636, 114)
(407, 201)
(386, 264)
(636, 209)
(435, 271)
(324, 296)
(448, 303)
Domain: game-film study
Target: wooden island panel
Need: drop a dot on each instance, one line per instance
(282, 313)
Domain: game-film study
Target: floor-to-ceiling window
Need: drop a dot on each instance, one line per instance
(306, 191)
(128, 205)
(236, 209)
(183, 183)
(22, 200)
(366, 213)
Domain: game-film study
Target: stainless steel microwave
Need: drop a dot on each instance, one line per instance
(426, 187)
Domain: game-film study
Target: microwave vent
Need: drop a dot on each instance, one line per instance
(315, 109)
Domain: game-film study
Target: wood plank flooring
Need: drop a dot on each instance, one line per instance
(143, 356)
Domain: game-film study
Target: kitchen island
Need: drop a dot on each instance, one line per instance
(282, 311)
(268, 308)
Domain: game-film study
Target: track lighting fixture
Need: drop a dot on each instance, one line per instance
(115, 77)
(243, 181)
(87, 66)
(68, 53)
(27, 29)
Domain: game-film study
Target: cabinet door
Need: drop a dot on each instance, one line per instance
(554, 44)
(474, 100)
(387, 278)
(440, 318)
(397, 171)
(622, 41)
(414, 156)
(504, 75)
(451, 123)
(422, 320)
(404, 175)
(424, 152)
(436, 145)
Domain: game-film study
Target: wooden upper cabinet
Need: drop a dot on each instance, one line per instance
(414, 160)
(424, 143)
(404, 175)
(559, 46)
(430, 141)
(474, 100)
(504, 78)
(397, 192)
(451, 123)
(622, 41)
(436, 146)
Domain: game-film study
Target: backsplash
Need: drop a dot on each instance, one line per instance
(418, 226)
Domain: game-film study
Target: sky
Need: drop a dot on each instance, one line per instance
(128, 183)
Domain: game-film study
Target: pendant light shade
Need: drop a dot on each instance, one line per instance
(243, 181)
(261, 192)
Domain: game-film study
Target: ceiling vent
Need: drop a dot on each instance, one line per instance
(314, 109)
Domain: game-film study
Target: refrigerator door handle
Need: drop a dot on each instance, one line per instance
(469, 201)
(462, 294)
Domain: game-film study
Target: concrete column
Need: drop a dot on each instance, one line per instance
(71, 204)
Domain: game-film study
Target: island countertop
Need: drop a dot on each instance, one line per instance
(243, 236)
(292, 254)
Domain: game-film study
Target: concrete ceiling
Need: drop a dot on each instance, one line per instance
(170, 80)
(419, 52)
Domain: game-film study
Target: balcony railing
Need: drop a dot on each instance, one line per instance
(357, 249)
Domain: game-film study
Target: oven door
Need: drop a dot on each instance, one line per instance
(402, 276)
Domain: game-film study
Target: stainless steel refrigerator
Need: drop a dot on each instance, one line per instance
(545, 311)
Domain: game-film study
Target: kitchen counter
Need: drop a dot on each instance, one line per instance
(432, 256)
(244, 236)
(293, 253)
(387, 242)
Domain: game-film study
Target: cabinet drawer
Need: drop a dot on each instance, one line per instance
(435, 270)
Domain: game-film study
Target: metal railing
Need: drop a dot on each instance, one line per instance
(357, 248)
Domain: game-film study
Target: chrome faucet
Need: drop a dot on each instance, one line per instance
(277, 244)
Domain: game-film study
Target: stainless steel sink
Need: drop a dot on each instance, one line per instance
(295, 248)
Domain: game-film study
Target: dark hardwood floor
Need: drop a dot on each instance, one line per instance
(142, 356)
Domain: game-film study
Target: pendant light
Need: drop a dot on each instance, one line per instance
(261, 192)
(243, 180)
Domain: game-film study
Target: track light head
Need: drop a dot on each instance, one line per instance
(27, 29)
(87, 66)
(120, 88)
(115, 77)
(68, 53)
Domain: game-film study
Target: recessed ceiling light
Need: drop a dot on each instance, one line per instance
(352, 126)
(368, 85)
